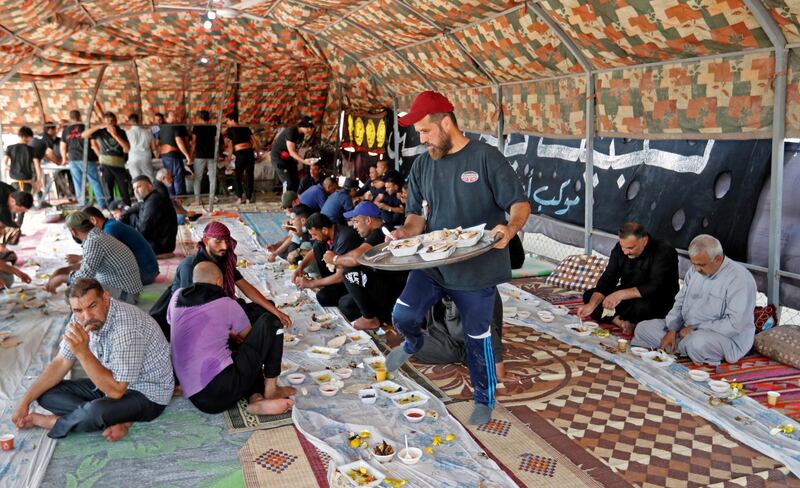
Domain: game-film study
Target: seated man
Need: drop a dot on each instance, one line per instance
(12, 202)
(104, 258)
(164, 181)
(373, 187)
(392, 208)
(712, 319)
(288, 200)
(202, 319)
(117, 208)
(297, 237)
(153, 216)
(341, 201)
(313, 177)
(7, 269)
(217, 246)
(640, 282)
(315, 196)
(327, 236)
(132, 238)
(371, 294)
(126, 358)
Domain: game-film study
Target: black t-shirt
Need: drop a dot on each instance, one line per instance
(345, 239)
(279, 146)
(108, 144)
(168, 134)
(476, 185)
(72, 136)
(204, 144)
(375, 237)
(392, 219)
(41, 143)
(21, 167)
(5, 213)
(239, 135)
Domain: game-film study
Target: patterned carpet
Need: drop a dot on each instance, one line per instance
(282, 457)
(590, 409)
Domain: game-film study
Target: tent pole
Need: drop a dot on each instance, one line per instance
(588, 187)
(39, 99)
(138, 90)
(501, 122)
(219, 128)
(398, 159)
(86, 141)
(778, 40)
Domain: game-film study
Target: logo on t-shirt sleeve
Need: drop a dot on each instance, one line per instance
(469, 177)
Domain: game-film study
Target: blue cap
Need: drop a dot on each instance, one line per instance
(364, 209)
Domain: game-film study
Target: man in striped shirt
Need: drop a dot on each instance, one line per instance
(105, 259)
(126, 358)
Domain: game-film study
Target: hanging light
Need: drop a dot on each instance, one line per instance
(207, 24)
(204, 60)
(212, 14)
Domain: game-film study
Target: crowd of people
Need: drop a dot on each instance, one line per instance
(221, 339)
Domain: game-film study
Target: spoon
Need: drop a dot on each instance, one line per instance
(386, 232)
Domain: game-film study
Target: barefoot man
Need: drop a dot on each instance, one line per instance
(126, 358)
(214, 375)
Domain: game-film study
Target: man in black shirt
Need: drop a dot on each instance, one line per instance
(153, 216)
(71, 144)
(327, 236)
(392, 209)
(46, 148)
(203, 140)
(464, 183)
(240, 144)
(22, 166)
(111, 142)
(639, 283)
(174, 147)
(284, 154)
(371, 294)
(313, 177)
(12, 202)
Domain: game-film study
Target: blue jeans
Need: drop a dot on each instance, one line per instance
(174, 165)
(76, 171)
(476, 308)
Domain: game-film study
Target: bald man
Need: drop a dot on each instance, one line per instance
(216, 372)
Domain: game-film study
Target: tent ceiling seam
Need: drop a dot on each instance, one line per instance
(562, 35)
(86, 13)
(15, 35)
(340, 19)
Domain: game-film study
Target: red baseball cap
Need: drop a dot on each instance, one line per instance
(426, 103)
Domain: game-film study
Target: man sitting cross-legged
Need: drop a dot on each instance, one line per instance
(202, 320)
(126, 358)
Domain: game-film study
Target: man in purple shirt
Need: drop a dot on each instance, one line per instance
(213, 374)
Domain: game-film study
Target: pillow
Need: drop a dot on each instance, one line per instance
(579, 272)
(781, 344)
(762, 314)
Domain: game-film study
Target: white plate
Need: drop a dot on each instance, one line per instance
(559, 310)
(358, 337)
(323, 377)
(368, 362)
(293, 342)
(321, 352)
(389, 384)
(545, 316)
(523, 314)
(574, 329)
(358, 465)
(396, 399)
(337, 342)
(409, 250)
(435, 256)
(638, 351)
(649, 358)
(699, 375)
(461, 242)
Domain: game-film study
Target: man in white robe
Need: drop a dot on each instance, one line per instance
(712, 319)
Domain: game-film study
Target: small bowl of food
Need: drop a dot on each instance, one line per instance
(719, 386)
(328, 390)
(699, 375)
(404, 247)
(314, 327)
(591, 324)
(383, 452)
(368, 396)
(559, 310)
(410, 455)
(545, 316)
(343, 373)
(361, 474)
(414, 415)
(437, 250)
(468, 238)
(638, 351)
(296, 378)
(322, 377)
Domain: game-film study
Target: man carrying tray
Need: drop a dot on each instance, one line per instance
(464, 183)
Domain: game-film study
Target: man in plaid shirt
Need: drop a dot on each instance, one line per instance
(126, 357)
(105, 259)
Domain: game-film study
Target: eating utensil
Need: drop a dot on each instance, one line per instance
(386, 232)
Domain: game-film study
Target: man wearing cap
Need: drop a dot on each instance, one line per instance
(341, 201)
(327, 236)
(315, 197)
(465, 183)
(370, 293)
(218, 246)
(285, 156)
(153, 215)
(104, 258)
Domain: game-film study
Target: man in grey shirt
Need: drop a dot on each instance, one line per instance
(464, 183)
(140, 155)
(712, 319)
